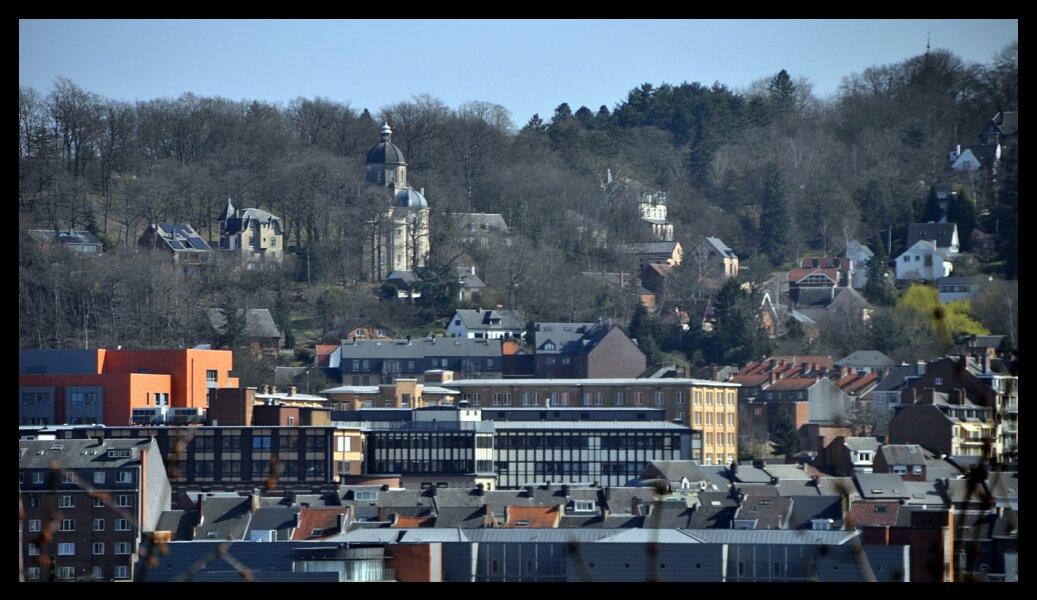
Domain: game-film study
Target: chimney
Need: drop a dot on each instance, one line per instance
(529, 491)
(291, 390)
(343, 522)
(774, 376)
(986, 362)
(479, 489)
(255, 499)
(846, 371)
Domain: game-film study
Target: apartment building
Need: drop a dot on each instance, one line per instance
(83, 520)
(104, 386)
(374, 362)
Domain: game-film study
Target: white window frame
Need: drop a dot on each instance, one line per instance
(99, 477)
(122, 525)
(123, 548)
(33, 549)
(97, 549)
(66, 549)
(66, 502)
(97, 525)
(97, 572)
(123, 501)
(32, 573)
(67, 525)
(122, 572)
(37, 477)
(124, 477)
(34, 525)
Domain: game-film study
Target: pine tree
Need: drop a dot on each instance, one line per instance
(775, 218)
(931, 210)
(784, 436)
(877, 288)
(782, 93)
(1008, 213)
(962, 211)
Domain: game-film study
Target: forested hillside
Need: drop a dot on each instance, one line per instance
(773, 170)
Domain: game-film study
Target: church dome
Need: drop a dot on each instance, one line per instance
(386, 152)
(410, 198)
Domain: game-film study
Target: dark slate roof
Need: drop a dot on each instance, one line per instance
(242, 220)
(770, 512)
(265, 562)
(404, 280)
(480, 320)
(599, 522)
(676, 470)
(668, 514)
(720, 247)
(941, 232)
(903, 454)
(480, 222)
(866, 358)
(806, 508)
(998, 485)
(258, 322)
(81, 454)
(647, 247)
(848, 298)
(279, 518)
(180, 524)
(620, 500)
(227, 517)
(714, 511)
(465, 517)
(469, 280)
(385, 151)
(964, 280)
(410, 198)
(181, 238)
(895, 379)
(809, 296)
(562, 335)
(420, 348)
(879, 486)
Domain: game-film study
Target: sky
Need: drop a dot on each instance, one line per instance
(527, 66)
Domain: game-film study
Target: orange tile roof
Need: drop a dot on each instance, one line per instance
(323, 519)
(793, 383)
(797, 274)
(509, 347)
(750, 379)
(536, 517)
(860, 383)
(872, 513)
(403, 522)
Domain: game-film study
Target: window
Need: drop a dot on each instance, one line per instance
(66, 502)
(123, 500)
(98, 502)
(66, 572)
(529, 567)
(98, 525)
(33, 573)
(68, 477)
(679, 400)
(34, 525)
(698, 418)
(122, 572)
(98, 477)
(97, 548)
(96, 573)
(494, 567)
(127, 476)
(122, 548)
(617, 398)
(900, 469)
(34, 550)
(122, 525)
(660, 398)
(37, 477)
(66, 549)
(741, 569)
(938, 381)
(67, 525)
(210, 378)
(698, 397)
(916, 470)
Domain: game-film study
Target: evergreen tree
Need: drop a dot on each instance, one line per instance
(535, 125)
(585, 117)
(782, 93)
(931, 210)
(877, 288)
(962, 211)
(1008, 213)
(784, 436)
(603, 118)
(234, 327)
(775, 218)
(738, 337)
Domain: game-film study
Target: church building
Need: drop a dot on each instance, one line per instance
(397, 239)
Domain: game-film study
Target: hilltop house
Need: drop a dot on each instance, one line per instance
(82, 242)
(255, 235)
(489, 324)
(859, 255)
(585, 350)
(923, 261)
(258, 328)
(180, 240)
(943, 235)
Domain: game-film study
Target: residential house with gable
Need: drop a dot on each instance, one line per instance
(489, 324)
(942, 235)
(585, 350)
(181, 241)
(860, 255)
(923, 261)
(80, 242)
(255, 235)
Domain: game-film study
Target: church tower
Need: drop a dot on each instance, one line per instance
(399, 239)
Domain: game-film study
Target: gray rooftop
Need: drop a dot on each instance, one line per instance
(866, 358)
(941, 232)
(82, 454)
(420, 348)
(461, 383)
(647, 247)
(595, 425)
(903, 454)
(720, 247)
(258, 322)
(881, 486)
(490, 320)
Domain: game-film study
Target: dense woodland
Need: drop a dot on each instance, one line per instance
(773, 170)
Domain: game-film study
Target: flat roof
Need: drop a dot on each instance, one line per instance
(591, 382)
(589, 425)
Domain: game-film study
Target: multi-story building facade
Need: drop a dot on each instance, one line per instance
(253, 235)
(240, 458)
(404, 393)
(86, 504)
(707, 406)
(585, 350)
(104, 386)
(374, 362)
(945, 423)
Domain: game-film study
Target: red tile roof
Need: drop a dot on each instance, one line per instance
(793, 383)
(853, 383)
(827, 262)
(535, 517)
(403, 522)
(323, 519)
(797, 274)
(750, 379)
(873, 513)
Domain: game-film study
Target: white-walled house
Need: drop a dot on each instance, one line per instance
(859, 255)
(923, 261)
(963, 161)
(944, 235)
(486, 324)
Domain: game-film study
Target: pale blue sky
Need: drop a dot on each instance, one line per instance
(527, 66)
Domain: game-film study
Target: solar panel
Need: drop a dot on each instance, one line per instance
(176, 245)
(197, 242)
